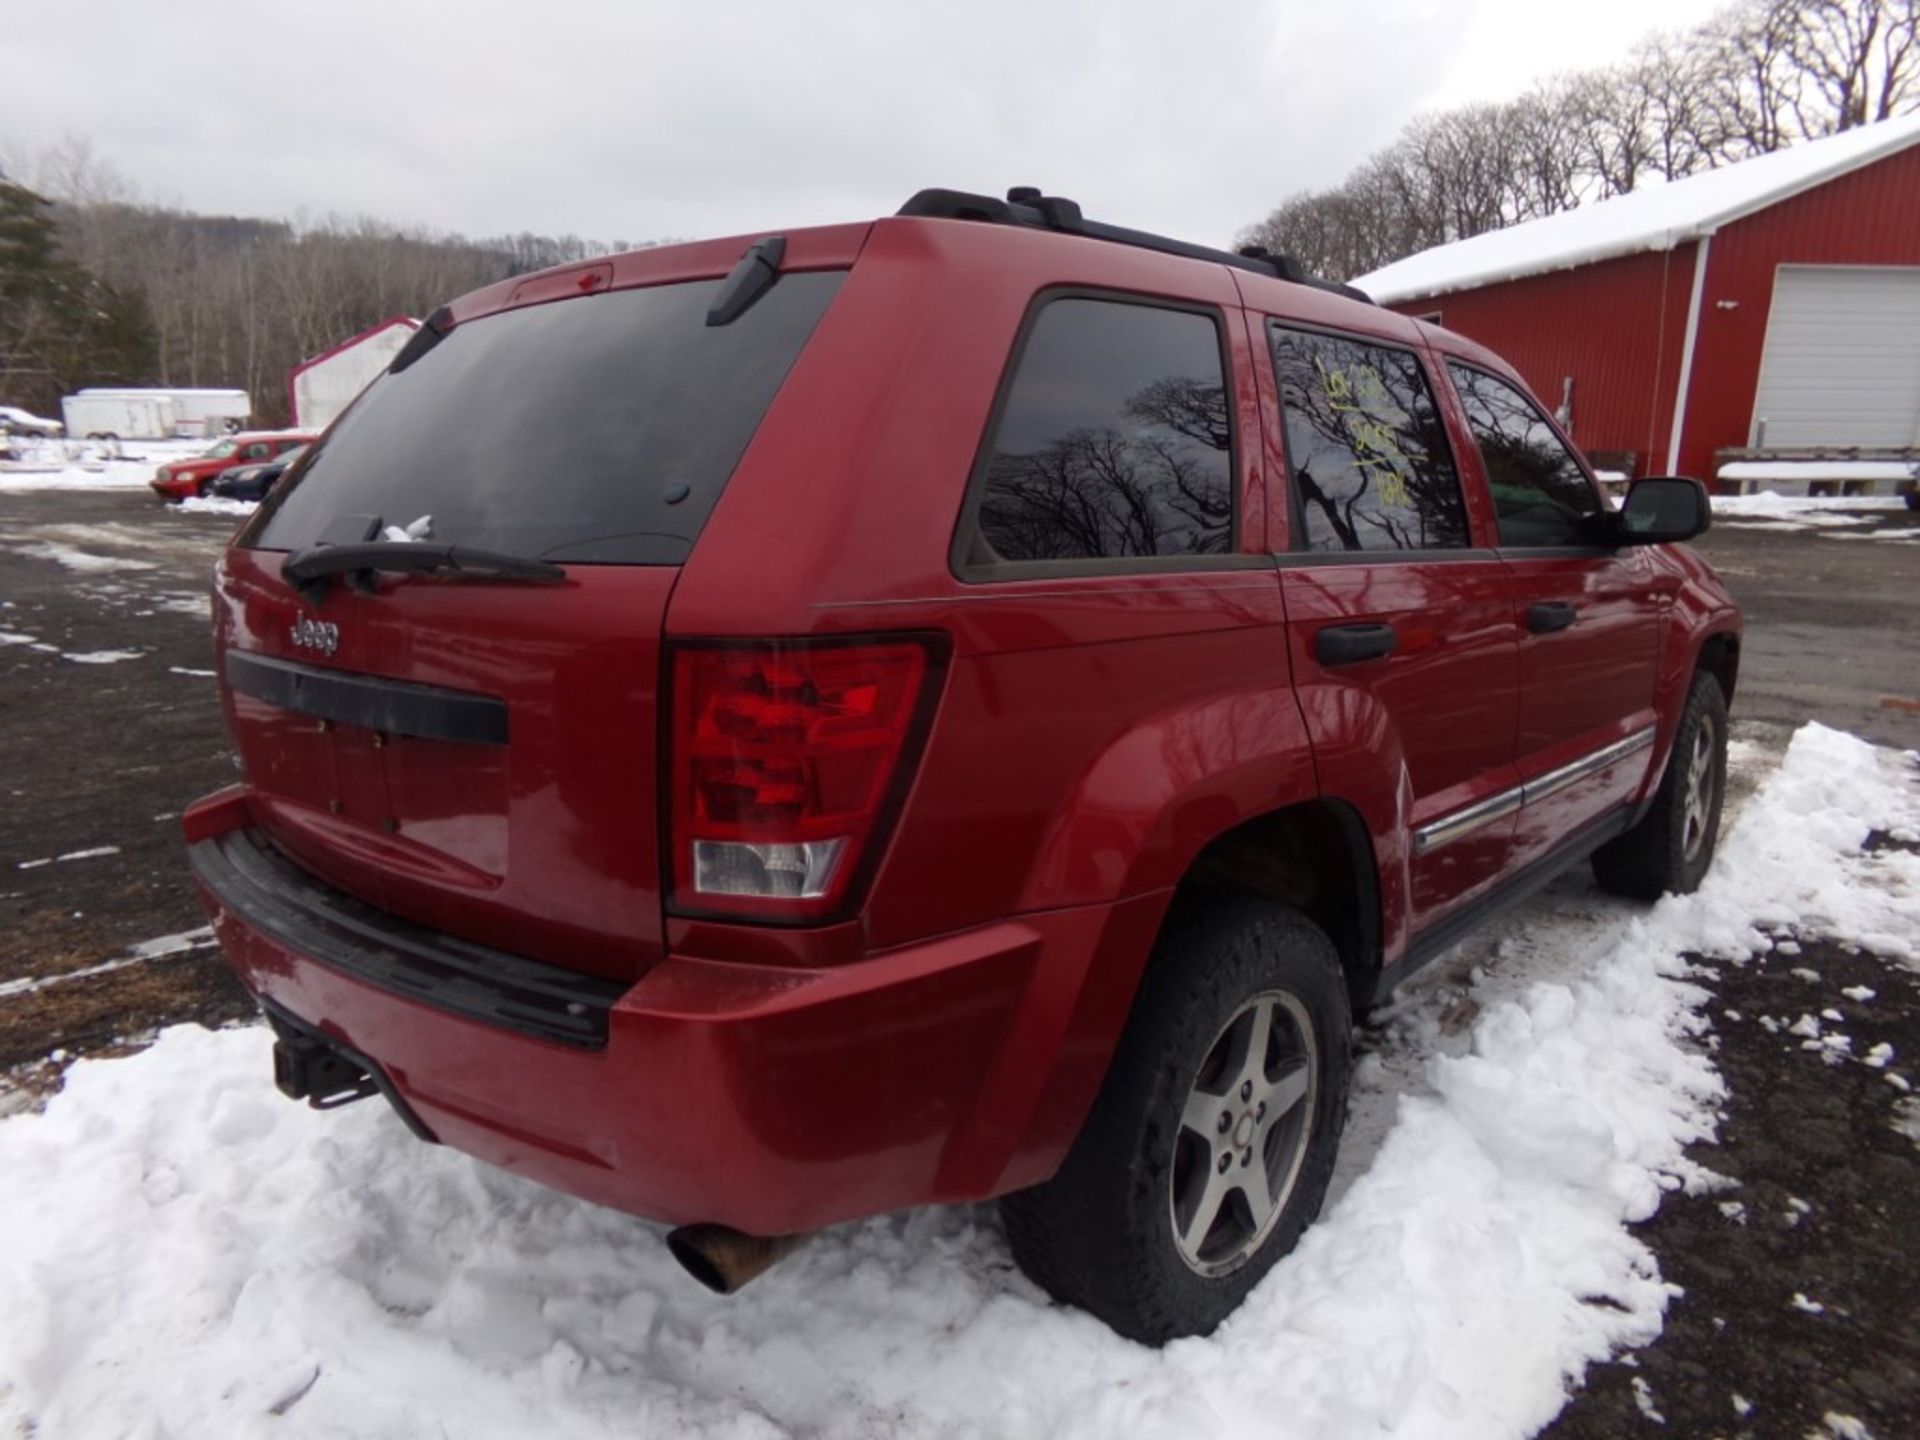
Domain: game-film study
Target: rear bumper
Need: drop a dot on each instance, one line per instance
(770, 1098)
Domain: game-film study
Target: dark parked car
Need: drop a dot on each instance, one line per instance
(958, 706)
(252, 482)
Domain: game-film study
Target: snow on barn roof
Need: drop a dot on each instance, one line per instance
(1658, 217)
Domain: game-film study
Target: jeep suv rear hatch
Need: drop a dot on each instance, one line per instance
(472, 744)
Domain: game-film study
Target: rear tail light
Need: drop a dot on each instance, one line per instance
(787, 761)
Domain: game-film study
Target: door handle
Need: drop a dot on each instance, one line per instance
(1549, 616)
(1350, 644)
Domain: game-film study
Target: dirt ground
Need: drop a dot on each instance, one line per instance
(98, 755)
(1797, 1283)
(105, 752)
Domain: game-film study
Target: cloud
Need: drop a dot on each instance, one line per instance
(638, 121)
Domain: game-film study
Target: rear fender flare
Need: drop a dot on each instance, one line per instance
(1144, 809)
(1160, 791)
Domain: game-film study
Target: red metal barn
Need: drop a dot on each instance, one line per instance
(1771, 307)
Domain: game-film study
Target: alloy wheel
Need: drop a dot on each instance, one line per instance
(1243, 1133)
(1700, 790)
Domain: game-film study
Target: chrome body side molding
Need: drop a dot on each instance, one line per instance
(1451, 827)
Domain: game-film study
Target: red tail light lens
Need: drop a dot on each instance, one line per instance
(784, 760)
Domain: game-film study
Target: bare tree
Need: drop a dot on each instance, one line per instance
(1758, 76)
(1752, 93)
(1857, 59)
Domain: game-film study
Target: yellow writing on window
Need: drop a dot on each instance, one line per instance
(1358, 395)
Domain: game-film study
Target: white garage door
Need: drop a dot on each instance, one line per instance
(1842, 362)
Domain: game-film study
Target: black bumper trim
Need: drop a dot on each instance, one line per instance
(264, 889)
(399, 707)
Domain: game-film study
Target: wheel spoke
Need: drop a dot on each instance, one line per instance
(1206, 1211)
(1202, 1113)
(1251, 1181)
(1253, 1067)
(1288, 1091)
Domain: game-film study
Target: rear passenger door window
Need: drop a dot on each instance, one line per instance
(1540, 494)
(1366, 446)
(1113, 442)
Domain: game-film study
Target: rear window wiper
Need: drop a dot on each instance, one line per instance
(311, 569)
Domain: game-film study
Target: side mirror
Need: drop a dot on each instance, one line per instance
(1661, 510)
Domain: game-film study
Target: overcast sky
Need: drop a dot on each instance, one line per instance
(637, 119)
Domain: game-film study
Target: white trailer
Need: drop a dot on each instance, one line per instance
(151, 414)
(122, 414)
(211, 412)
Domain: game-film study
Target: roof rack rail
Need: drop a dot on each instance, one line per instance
(1026, 205)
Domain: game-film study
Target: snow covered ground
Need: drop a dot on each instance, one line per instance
(1836, 517)
(189, 1254)
(79, 465)
(83, 465)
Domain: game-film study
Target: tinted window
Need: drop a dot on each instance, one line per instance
(563, 430)
(1366, 446)
(1114, 442)
(1539, 491)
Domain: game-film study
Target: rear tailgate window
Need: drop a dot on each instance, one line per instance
(599, 430)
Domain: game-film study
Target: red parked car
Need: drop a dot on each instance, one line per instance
(765, 732)
(184, 479)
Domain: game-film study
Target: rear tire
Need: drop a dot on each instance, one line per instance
(1209, 1148)
(1672, 846)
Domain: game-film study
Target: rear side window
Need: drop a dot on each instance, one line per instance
(599, 429)
(1366, 446)
(1540, 493)
(1113, 442)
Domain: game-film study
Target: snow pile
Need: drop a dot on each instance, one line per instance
(217, 505)
(190, 1254)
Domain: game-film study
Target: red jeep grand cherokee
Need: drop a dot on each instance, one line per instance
(764, 732)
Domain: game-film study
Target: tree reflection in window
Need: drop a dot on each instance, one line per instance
(1540, 494)
(1366, 445)
(1116, 441)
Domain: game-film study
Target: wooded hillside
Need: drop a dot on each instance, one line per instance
(103, 288)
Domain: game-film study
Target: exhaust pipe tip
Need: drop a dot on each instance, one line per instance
(723, 1259)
